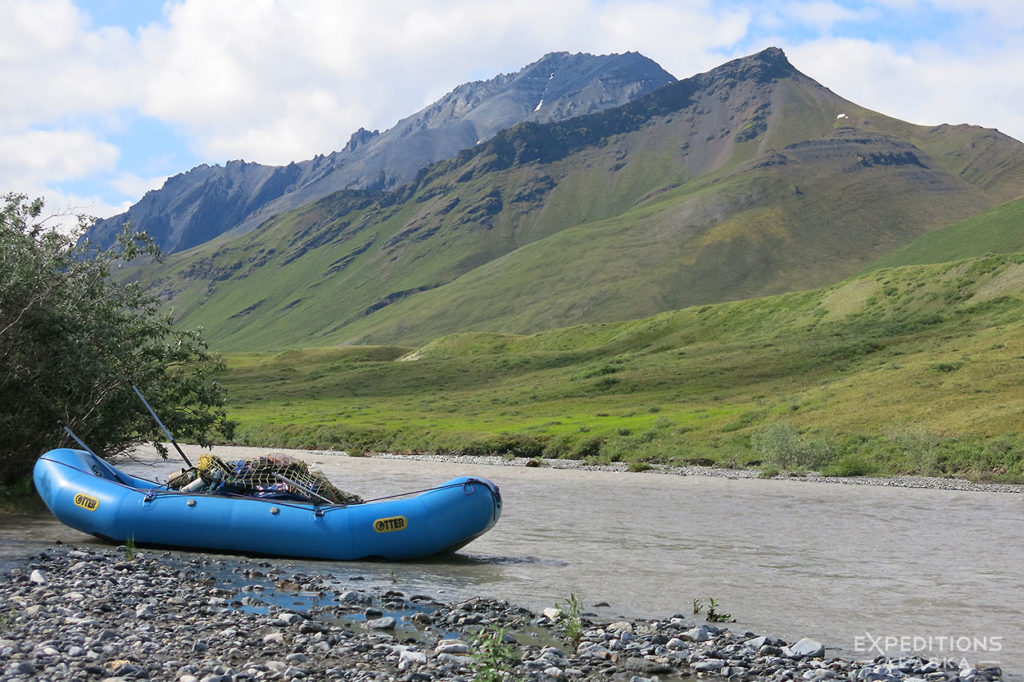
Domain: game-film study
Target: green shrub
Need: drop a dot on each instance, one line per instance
(777, 444)
(919, 446)
(781, 445)
(853, 464)
(73, 342)
(588, 447)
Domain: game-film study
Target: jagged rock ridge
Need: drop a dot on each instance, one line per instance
(207, 201)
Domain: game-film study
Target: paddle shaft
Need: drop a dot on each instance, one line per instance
(80, 441)
(161, 424)
(85, 447)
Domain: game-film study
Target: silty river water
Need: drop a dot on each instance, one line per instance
(864, 569)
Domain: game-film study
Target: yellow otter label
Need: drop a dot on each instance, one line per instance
(392, 523)
(86, 502)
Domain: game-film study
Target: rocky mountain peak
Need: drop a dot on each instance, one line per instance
(767, 65)
(359, 138)
(239, 196)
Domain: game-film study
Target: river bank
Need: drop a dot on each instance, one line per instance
(858, 567)
(933, 483)
(106, 613)
(148, 453)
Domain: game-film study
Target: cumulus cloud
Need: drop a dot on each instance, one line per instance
(283, 81)
(1005, 14)
(52, 66)
(34, 163)
(822, 15)
(926, 83)
(62, 86)
(134, 185)
(36, 157)
(274, 81)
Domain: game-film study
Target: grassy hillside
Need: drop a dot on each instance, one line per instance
(1000, 230)
(747, 181)
(800, 222)
(913, 369)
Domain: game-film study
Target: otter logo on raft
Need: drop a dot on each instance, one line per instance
(86, 502)
(390, 524)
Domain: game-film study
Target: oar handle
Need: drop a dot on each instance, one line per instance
(161, 425)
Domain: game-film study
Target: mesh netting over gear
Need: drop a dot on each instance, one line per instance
(275, 476)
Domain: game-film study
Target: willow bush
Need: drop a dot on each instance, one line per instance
(73, 341)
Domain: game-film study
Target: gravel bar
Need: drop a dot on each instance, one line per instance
(115, 614)
(958, 484)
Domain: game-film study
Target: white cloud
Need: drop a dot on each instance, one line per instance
(54, 72)
(822, 15)
(683, 38)
(132, 185)
(926, 84)
(1004, 14)
(34, 163)
(52, 67)
(274, 81)
(35, 157)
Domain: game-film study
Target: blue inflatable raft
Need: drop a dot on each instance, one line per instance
(91, 495)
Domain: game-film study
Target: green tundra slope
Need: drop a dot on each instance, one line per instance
(914, 369)
(1000, 230)
(745, 181)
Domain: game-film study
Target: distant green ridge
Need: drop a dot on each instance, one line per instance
(903, 370)
(1000, 230)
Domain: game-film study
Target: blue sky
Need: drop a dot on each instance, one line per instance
(104, 99)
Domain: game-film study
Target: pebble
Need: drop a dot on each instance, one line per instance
(385, 623)
(452, 646)
(805, 648)
(88, 613)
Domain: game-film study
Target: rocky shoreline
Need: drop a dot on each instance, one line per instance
(114, 614)
(958, 484)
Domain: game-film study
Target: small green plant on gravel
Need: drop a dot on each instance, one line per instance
(698, 606)
(130, 551)
(570, 621)
(7, 620)
(713, 616)
(494, 658)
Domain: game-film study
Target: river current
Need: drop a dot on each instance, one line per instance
(864, 569)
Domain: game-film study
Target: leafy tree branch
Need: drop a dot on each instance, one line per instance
(73, 341)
